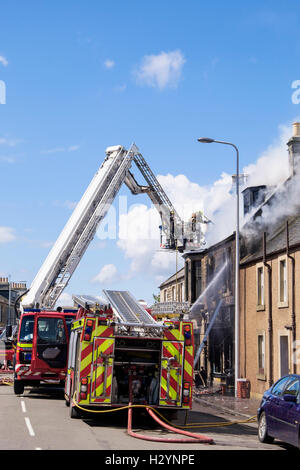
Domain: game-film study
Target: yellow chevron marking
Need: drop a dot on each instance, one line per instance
(86, 361)
(188, 368)
(100, 369)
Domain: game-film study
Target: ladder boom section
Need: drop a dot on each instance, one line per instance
(172, 225)
(66, 253)
(80, 229)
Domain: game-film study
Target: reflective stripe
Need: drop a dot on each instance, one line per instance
(171, 373)
(24, 345)
(101, 384)
(189, 365)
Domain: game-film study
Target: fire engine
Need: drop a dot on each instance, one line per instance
(42, 348)
(119, 354)
(41, 353)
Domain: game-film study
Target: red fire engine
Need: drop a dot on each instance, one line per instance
(42, 348)
(120, 354)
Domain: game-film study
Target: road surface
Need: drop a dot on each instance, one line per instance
(40, 420)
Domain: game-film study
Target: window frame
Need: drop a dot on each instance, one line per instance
(261, 372)
(260, 286)
(285, 301)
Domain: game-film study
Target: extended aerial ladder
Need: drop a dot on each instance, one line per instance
(66, 253)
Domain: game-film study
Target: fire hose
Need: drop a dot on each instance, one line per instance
(191, 436)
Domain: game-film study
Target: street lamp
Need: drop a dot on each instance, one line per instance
(207, 140)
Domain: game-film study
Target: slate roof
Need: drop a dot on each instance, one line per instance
(180, 274)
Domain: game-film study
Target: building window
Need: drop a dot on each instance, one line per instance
(282, 282)
(198, 276)
(165, 295)
(283, 354)
(261, 355)
(260, 286)
(173, 293)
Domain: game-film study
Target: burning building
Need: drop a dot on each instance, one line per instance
(209, 278)
(269, 290)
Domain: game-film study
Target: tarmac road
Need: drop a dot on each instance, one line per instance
(40, 420)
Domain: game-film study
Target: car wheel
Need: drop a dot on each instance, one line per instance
(262, 431)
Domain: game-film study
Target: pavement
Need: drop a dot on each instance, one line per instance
(245, 407)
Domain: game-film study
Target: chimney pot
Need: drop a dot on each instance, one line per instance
(296, 129)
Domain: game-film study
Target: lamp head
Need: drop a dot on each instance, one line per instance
(205, 140)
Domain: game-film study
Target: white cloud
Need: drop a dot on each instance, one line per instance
(8, 142)
(3, 61)
(70, 148)
(107, 274)
(7, 159)
(7, 234)
(161, 70)
(109, 64)
(272, 165)
(73, 148)
(66, 204)
(121, 88)
(65, 300)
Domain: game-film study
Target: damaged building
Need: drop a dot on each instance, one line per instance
(269, 323)
(209, 278)
(269, 282)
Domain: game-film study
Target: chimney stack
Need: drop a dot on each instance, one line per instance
(294, 149)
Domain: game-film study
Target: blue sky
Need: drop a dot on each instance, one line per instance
(81, 76)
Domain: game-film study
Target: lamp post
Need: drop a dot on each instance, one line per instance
(207, 140)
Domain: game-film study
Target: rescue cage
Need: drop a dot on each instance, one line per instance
(114, 364)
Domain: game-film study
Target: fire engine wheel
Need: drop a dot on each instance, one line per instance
(74, 412)
(18, 387)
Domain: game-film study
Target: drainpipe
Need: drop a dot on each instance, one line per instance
(293, 291)
(270, 319)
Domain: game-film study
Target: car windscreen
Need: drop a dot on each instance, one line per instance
(26, 332)
(51, 331)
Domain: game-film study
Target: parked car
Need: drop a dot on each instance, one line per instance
(279, 412)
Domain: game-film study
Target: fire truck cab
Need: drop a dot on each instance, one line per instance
(42, 348)
(114, 360)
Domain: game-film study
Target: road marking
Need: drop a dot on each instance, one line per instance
(23, 406)
(29, 427)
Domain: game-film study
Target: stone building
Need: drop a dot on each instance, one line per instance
(9, 290)
(270, 284)
(270, 308)
(173, 288)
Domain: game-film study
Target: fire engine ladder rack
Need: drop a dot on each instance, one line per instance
(129, 311)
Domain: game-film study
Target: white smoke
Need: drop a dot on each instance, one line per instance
(138, 235)
(272, 169)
